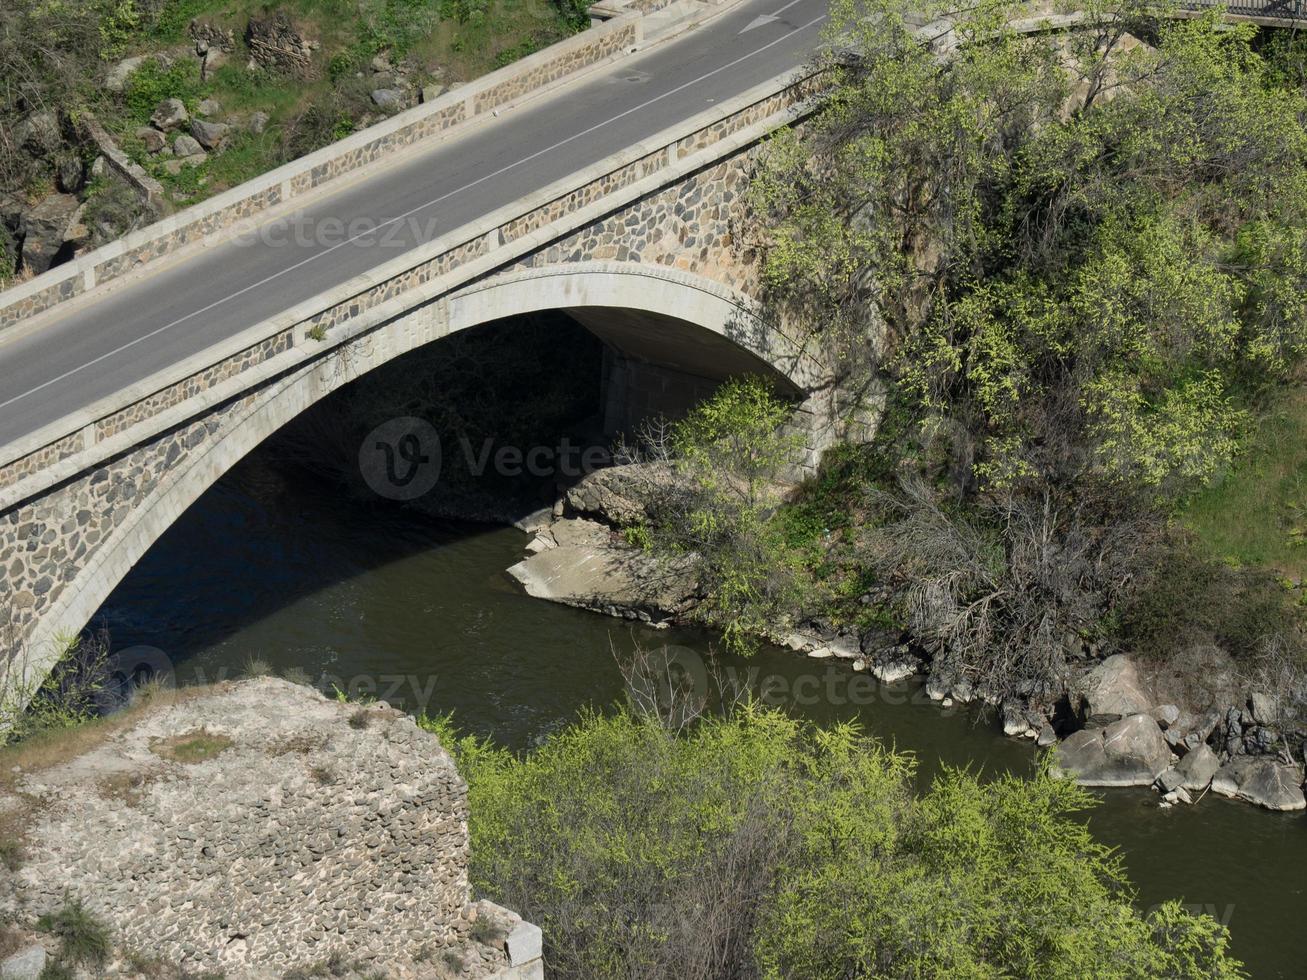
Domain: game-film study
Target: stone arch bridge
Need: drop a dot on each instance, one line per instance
(643, 249)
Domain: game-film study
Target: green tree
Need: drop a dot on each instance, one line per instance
(714, 481)
(755, 845)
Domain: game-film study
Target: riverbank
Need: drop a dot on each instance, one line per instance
(1115, 721)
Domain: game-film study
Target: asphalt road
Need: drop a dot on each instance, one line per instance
(141, 327)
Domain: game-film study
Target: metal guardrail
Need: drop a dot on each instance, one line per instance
(1287, 10)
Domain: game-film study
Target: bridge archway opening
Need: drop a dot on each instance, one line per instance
(648, 351)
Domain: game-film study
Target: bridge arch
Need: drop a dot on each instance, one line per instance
(653, 315)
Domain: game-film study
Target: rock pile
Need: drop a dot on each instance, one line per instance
(257, 828)
(276, 45)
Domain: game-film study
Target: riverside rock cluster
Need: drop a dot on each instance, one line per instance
(1115, 722)
(258, 828)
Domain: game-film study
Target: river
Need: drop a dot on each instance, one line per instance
(273, 564)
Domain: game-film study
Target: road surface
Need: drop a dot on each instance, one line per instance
(136, 329)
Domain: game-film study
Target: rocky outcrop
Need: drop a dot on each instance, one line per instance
(616, 494)
(44, 229)
(1110, 691)
(582, 563)
(1262, 780)
(256, 828)
(1128, 752)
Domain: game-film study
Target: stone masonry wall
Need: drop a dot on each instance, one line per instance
(257, 828)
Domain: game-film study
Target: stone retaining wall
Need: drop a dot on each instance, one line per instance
(305, 831)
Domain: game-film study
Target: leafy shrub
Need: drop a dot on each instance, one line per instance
(757, 846)
(153, 82)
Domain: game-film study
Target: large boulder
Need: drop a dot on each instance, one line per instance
(169, 114)
(187, 146)
(1198, 767)
(617, 494)
(1263, 780)
(209, 134)
(39, 134)
(43, 230)
(1129, 752)
(390, 99)
(1110, 691)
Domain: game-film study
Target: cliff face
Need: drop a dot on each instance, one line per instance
(255, 829)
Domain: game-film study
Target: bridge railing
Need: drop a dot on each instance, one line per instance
(1276, 10)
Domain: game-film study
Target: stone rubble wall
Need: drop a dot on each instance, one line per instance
(320, 830)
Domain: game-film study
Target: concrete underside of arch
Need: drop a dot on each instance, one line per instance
(64, 551)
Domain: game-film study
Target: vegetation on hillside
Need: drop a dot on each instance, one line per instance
(55, 55)
(1076, 265)
(753, 845)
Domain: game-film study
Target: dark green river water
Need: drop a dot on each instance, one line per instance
(272, 564)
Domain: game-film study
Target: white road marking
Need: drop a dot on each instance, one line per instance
(762, 19)
(407, 214)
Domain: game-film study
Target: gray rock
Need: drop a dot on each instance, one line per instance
(524, 944)
(209, 107)
(69, 175)
(43, 230)
(1014, 719)
(381, 62)
(1111, 690)
(214, 59)
(390, 99)
(1129, 752)
(1261, 780)
(187, 146)
(1264, 709)
(432, 92)
(1198, 767)
(115, 79)
(1046, 737)
(258, 122)
(151, 139)
(1170, 780)
(39, 133)
(169, 115)
(209, 134)
(1166, 715)
(26, 964)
